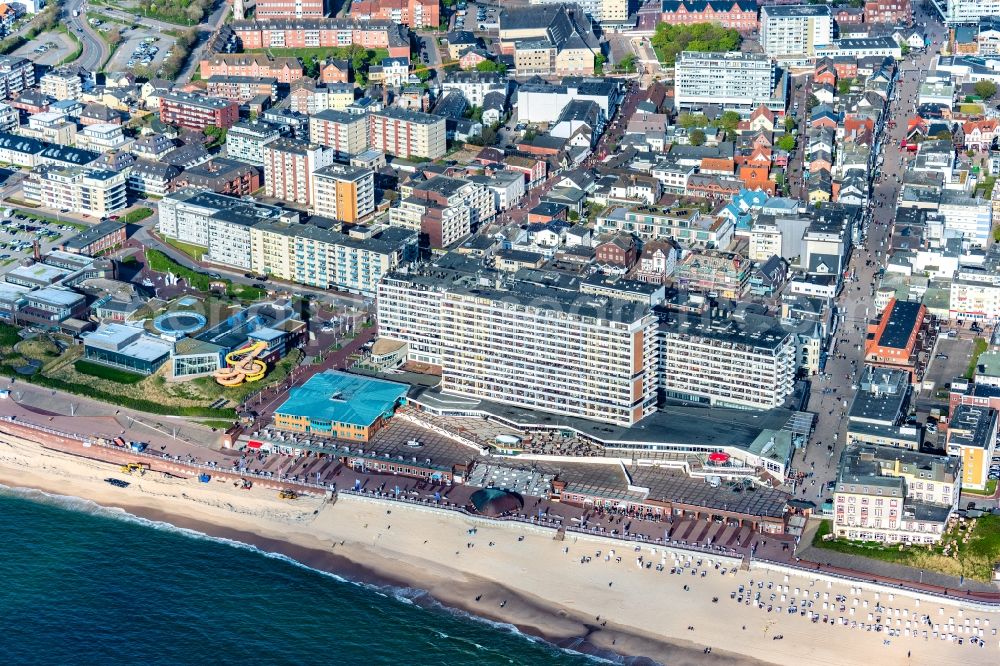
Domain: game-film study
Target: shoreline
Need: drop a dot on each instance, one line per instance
(549, 589)
(554, 626)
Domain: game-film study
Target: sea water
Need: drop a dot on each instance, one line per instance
(82, 584)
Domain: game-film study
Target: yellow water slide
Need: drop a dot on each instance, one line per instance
(243, 365)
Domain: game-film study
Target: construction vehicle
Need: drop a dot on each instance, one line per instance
(128, 468)
(288, 494)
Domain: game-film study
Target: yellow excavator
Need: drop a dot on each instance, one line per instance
(128, 468)
(287, 494)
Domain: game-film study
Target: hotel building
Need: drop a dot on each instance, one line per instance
(408, 133)
(289, 166)
(894, 495)
(344, 193)
(245, 141)
(295, 9)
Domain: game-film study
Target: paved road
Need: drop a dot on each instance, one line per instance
(95, 49)
(845, 362)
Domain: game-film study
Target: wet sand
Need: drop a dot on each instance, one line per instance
(597, 606)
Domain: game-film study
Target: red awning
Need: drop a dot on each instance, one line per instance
(254, 444)
(718, 457)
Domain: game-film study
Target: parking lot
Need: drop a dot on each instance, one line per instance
(19, 232)
(479, 18)
(141, 48)
(48, 48)
(951, 359)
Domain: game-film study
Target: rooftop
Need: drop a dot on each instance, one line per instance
(340, 397)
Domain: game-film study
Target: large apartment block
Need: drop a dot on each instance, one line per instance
(792, 33)
(414, 14)
(289, 166)
(16, 74)
(294, 9)
(245, 141)
(588, 357)
(344, 193)
(408, 133)
(328, 258)
(88, 191)
(263, 32)
(195, 111)
(725, 363)
(735, 80)
(345, 133)
(518, 343)
(894, 495)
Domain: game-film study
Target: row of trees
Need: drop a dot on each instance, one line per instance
(185, 12)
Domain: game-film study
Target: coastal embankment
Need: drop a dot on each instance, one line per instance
(583, 592)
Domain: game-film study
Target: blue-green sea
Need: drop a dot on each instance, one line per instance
(86, 585)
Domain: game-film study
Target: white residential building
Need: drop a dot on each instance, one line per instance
(408, 133)
(346, 134)
(92, 192)
(289, 166)
(791, 33)
(735, 80)
(245, 141)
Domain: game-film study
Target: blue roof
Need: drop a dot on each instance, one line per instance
(343, 398)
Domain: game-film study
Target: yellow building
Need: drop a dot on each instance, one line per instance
(972, 436)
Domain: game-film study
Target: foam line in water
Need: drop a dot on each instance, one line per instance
(405, 595)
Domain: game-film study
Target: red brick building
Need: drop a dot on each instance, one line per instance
(737, 14)
(322, 32)
(412, 13)
(618, 252)
(893, 12)
(335, 71)
(99, 238)
(254, 65)
(270, 9)
(197, 111)
(849, 15)
(241, 89)
(224, 176)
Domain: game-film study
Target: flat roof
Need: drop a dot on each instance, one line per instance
(902, 319)
(973, 427)
(343, 398)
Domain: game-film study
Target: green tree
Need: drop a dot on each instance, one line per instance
(728, 121)
(985, 89)
(844, 86)
(943, 135)
(789, 124)
(573, 216)
(669, 40)
(813, 101)
(627, 64)
(904, 48)
(216, 134)
(786, 143)
(491, 66)
(599, 61)
(689, 121)
(697, 137)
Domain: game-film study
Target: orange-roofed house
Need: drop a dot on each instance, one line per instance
(895, 338)
(979, 134)
(757, 178)
(412, 13)
(855, 125)
(719, 166)
(7, 15)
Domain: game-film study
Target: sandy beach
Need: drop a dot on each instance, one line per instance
(519, 574)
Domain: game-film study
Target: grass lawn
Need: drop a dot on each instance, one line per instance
(985, 188)
(190, 249)
(979, 345)
(161, 263)
(218, 424)
(307, 54)
(973, 549)
(137, 215)
(991, 487)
